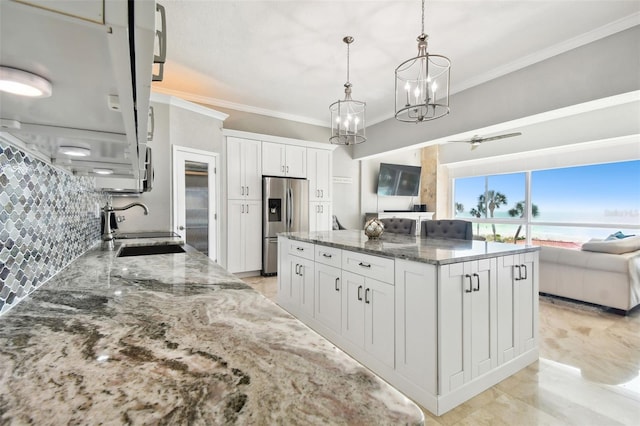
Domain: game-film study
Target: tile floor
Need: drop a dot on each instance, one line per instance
(588, 372)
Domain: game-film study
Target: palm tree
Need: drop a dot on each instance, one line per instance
(478, 211)
(459, 208)
(492, 200)
(518, 211)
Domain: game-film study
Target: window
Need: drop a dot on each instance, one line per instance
(568, 205)
(495, 198)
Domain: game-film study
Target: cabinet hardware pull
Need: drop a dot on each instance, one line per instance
(297, 265)
(242, 190)
(478, 279)
(525, 272)
(322, 193)
(519, 277)
(299, 249)
(468, 290)
(359, 292)
(242, 211)
(302, 270)
(366, 296)
(287, 169)
(327, 255)
(247, 207)
(364, 265)
(337, 280)
(247, 191)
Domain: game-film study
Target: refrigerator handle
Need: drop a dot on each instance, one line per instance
(289, 209)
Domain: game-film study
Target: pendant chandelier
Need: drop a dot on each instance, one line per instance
(422, 84)
(347, 116)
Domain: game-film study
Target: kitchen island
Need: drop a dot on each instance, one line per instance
(441, 320)
(175, 339)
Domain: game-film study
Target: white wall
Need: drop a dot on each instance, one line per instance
(346, 195)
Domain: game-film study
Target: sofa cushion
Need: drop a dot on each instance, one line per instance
(587, 259)
(617, 246)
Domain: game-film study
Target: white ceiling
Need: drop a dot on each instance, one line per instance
(287, 58)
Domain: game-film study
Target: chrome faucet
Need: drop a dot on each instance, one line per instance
(108, 235)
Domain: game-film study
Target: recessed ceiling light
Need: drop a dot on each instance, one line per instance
(103, 171)
(23, 83)
(74, 151)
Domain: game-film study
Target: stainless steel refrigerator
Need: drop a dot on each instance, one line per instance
(285, 209)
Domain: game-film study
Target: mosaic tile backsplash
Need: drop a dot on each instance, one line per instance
(47, 219)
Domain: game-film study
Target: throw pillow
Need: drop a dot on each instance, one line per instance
(617, 246)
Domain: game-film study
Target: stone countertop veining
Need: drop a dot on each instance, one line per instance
(175, 339)
(435, 251)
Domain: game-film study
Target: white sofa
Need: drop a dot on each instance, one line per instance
(598, 277)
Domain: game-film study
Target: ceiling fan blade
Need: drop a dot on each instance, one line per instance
(508, 135)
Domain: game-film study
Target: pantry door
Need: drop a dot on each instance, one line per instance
(195, 199)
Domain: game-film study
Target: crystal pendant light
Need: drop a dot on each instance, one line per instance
(422, 84)
(347, 116)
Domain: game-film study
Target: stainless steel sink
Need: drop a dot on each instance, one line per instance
(149, 250)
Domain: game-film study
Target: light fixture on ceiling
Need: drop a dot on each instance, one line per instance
(23, 83)
(347, 116)
(103, 171)
(422, 84)
(74, 151)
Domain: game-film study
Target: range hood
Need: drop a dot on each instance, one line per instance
(98, 56)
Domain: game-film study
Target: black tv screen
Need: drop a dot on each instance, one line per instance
(398, 179)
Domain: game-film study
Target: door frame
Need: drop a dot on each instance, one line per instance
(214, 198)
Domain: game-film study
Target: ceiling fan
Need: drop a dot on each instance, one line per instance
(477, 140)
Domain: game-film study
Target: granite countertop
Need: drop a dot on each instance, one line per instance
(435, 251)
(175, 339)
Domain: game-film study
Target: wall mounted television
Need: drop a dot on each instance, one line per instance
(399, 179)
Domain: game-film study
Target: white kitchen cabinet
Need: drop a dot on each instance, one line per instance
(467, 326)
(319, 216)
(244, 224)
(296, 277)
(244, 180)
(416, 323)
(301, 271)
(368, 315)
(319, 173)
(284, 160)
(517, 293)
(328, 300)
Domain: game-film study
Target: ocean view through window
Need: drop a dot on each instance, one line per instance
(562, 207)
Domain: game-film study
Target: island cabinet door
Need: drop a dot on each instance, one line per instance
(379, 321)
(516, 305)
(353, 308)
(328, 300)
(467, 322)
(304, 283)
(416, 322)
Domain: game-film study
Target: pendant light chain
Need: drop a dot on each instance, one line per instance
(422, 16)
(348, 63)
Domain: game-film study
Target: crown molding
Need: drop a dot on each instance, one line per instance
(162, 96)
(239, 107)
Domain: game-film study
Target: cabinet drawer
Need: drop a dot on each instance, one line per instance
(301, 249)
(329, 256)
(379, 268)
